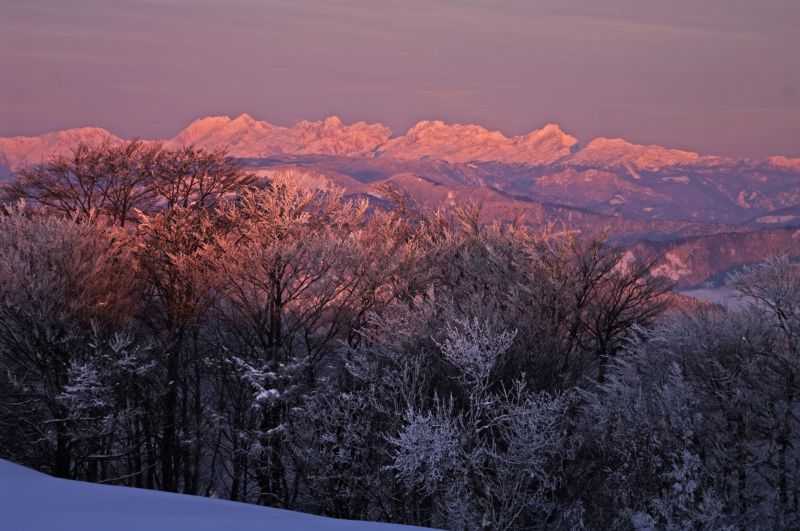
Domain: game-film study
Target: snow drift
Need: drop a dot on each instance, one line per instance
(30, 500)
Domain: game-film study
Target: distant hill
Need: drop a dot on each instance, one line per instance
(706, 261)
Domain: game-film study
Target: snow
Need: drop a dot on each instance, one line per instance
(633, 157)
(625, 261)
(674, 269)
(682, 179)
(245, 136)
(30, 500)
(775, 219)
(617, 200)
(25, 150)
(471, 143)
(268, 395)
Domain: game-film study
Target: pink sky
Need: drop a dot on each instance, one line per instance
(715, 76)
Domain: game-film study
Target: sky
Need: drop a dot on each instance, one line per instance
(714, 76)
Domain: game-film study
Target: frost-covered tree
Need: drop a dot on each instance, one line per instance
(297, 276)
(167, 321)
(64, 284)
(103, 405)
(641, 464)
(772, 292)
(111, 182)
(170, 252)
(486, 455)
(695, 425)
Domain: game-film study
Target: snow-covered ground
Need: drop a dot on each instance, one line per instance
(32, 501)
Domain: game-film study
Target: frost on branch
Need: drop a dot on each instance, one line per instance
(487, 456)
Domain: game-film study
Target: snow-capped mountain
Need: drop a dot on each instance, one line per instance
(611, 177)
(618, 153)
(473, 143)
(19, 151)
(246, 137)
(784, 162)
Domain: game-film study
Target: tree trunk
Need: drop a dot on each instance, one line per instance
(63, 458)
(168, 439)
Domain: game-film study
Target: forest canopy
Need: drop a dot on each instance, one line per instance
(168, 320)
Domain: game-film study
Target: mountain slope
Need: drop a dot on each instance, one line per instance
(33, 501)
(654, 183)
(705, 261)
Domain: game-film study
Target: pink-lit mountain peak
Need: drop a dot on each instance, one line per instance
(247, 137)
(780, 161)
(215, 131)
(474, 143)
(552, 136)
(618, 152)
(19, 151)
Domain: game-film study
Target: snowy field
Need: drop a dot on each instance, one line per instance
(33, 501)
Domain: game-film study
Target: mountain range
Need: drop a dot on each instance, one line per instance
(630, 192)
